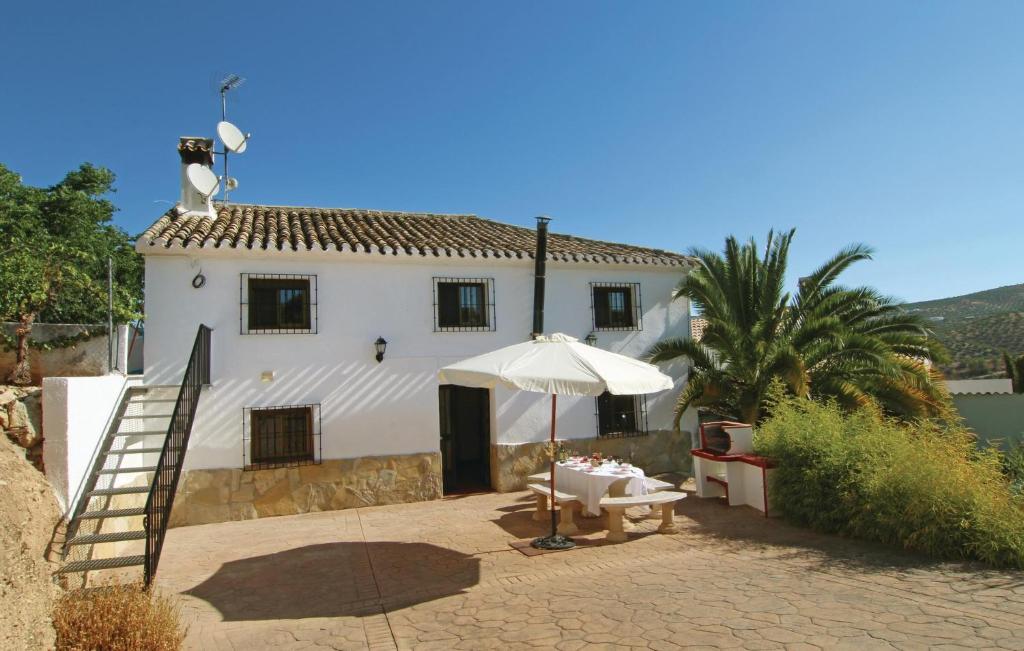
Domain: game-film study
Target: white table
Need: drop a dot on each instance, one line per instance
(590, 487)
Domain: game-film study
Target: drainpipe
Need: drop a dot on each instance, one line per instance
(539, 260)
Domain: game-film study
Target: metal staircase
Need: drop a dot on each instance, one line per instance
(121, 518)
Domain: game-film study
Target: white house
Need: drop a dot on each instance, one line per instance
(300, 414)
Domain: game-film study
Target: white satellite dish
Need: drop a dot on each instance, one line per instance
(203, 180)
(232, 137)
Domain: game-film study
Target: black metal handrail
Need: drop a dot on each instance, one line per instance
(168, 468)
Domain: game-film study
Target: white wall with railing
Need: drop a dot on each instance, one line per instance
(76, 415)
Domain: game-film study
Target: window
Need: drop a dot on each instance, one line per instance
(616, 306)
(278, 304)
(621, 415)
(281, 436)
(463, 304)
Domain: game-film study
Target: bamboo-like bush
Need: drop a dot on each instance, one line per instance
(921, 486)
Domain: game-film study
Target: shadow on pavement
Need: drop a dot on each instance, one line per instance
(336, 579)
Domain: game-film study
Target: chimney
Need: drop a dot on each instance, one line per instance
(194, 150)
(539, 260)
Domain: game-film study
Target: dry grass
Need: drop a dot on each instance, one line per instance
(117, 617)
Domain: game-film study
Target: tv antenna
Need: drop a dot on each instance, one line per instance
(231, 137)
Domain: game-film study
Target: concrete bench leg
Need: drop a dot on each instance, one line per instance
(668, 524)
(541, 513)
(615, 530)
(566, 524)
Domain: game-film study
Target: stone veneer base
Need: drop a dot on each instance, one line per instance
(656, 452)
(220, 495)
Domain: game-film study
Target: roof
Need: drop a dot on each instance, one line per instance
(246, 226)
(987, 387)
(697, 326)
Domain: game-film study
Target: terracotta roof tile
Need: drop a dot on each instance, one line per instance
(276, 227)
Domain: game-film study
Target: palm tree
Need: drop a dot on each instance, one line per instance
(826, 342)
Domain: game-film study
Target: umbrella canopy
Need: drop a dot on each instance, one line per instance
(557, 365)
(561, 366)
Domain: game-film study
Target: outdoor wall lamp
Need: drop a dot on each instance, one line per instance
(380, 345)
(590, 340)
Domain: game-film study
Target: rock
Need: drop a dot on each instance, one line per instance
(33, 402)
(21, 429)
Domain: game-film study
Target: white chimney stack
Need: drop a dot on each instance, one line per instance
(194, 150)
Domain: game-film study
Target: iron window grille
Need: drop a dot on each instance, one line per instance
(621, 416)
(616, 306)
(277, 304)
(464, 305)
(280, 437)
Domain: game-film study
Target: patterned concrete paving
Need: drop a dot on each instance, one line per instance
(441, 575)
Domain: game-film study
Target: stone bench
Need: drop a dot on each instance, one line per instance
(655, 485)
(616, 507)
(569, 504)
(540, 478)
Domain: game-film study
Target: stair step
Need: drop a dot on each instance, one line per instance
(124, 490)
(118, 471)
(102, 564)
(147, 387)
(134, 451)
(148, 432)
(144, 417)
(150, 401)
(113, 513)
(118, 536)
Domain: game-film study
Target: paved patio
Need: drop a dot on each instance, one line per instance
(441, 575)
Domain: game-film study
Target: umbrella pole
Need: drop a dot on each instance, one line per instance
(554, 541)
(554, 524)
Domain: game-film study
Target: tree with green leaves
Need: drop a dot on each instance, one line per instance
(53, 267)
(1015, 371)
(827, 341)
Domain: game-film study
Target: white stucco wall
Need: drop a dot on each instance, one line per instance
(76, 414)
(369, 408)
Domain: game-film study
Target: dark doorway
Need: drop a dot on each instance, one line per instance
(465, 438)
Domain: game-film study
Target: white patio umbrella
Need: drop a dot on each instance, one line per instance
(557, 365)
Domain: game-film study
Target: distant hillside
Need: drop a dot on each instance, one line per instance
(977, 327)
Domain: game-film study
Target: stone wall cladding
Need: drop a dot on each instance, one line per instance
(206, 496)
(657, 452)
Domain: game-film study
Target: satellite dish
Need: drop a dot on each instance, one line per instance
(203, 180)
(231, 184)
(232, 137)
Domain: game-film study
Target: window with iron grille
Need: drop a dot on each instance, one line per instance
(278, 304)
(616, 306)
(275, 437)
(463, 304)
(621, 415)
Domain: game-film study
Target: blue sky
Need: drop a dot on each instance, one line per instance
(897, 124)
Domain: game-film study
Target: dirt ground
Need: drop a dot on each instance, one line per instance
(28, 515)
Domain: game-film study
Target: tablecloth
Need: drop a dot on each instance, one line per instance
(590, 487)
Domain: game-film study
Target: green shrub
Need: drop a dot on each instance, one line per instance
(1013, 466)
(116, 617)
(920, 486)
